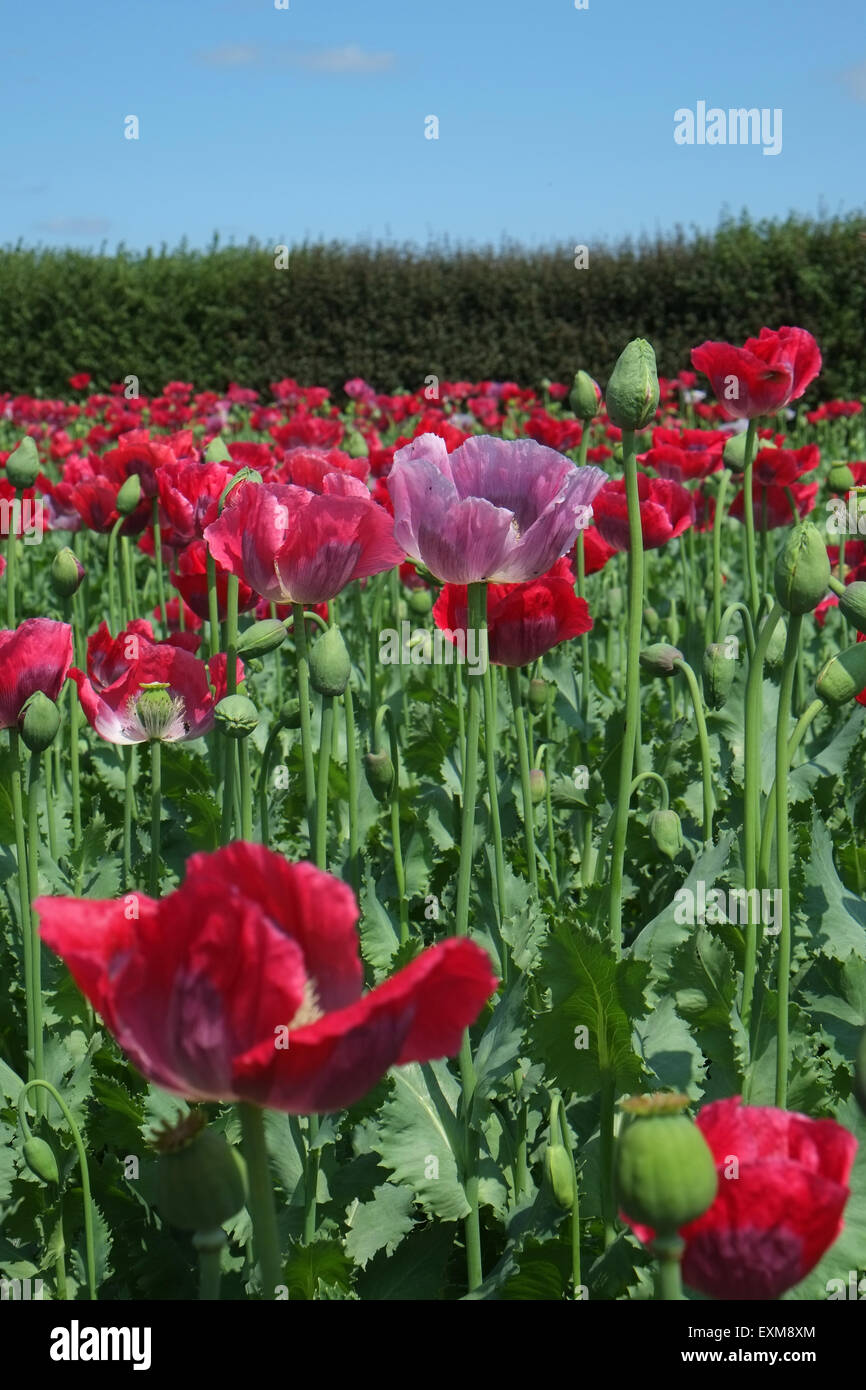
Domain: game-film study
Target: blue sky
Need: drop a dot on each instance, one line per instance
(555, 124)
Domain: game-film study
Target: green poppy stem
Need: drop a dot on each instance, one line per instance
(706, 766)
(749, 516)
(783, 874)
(261, 1198)
(303, 670)
(36, 943)
(155, 814)
(157, 550)
(524, 767)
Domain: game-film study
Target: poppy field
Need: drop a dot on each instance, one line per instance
(431, 838)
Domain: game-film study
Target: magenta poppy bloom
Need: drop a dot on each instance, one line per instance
(762, 376)
(294, 546)
(494, 509)
(35, 656)
(199, 987)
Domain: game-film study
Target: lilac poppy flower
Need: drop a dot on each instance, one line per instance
(497, 509)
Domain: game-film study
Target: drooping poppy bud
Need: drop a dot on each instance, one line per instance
(38, 722)
(237, 716)
(585, 397)
(330, 663)
(632, 394)
(380, 774)
(659, 658)
(200, 1179)
(22, 465)
(559, 1169)
(264, 636)
(666, 830)
(802, 573)
(665, 1171)
(853, 604)
(719, 672)
(40, 1159)
(842, 677)
(67, 573)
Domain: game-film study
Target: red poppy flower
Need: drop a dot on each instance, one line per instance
(596, 552)
(782, 467)
(523, 620)
(190, 580)
(79, 381)
(666, 510)
(779, 1206)
(308, 467)
(295, 546)
(189, 496)
(35, 656)
(201, 987)
(683, 455)
(773, 501)
(762, 376)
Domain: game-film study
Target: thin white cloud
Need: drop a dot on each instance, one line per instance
(74, 226)
(855, 80)
(346, 59)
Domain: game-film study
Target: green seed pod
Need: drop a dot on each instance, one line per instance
(380, 774)
(237, 716)
(155, 708)
(129, 495)
(290, 714)
(330, 664)
(632, 394)
(262, 637)
(660, 658)
(667, 832)
(39, 1157)
(665, 1172)
(585, 397)
(537, 785)
(840, 478)
(217, 451)
(67, 572)
(200, 1179)
(802, 573)
(853, 604)
(538, 692)
(22, 465)
(420, 601)
(651, 619)
(38, 722)
(559, 1169)
(843, 676)
(776, 647)
(734, 453)
(860, 1072)
(719, 672)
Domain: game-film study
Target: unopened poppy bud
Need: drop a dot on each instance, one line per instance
(559, 1168)
(537, 785)
(853, 604)
(237, 716)
(39, 721)
(842, 677)
(660, 658)
(22, 465)
(200, 1179)
(262, 637)
(355, 445)
(734, 453)
(40, 1159)
(585, 397)
(67, 572)
(217, 451)
(129, 495)
(330, 664)
(776, 646)
(379, 771)
(420, 601)
(667, 832)
(632, 394)
(665, 1171)
(290, 714)
(840, 478)
(538, 690)
(802, 573)
(651, 618)
(719, 672)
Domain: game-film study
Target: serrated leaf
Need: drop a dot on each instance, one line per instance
(414, 1135)
(379, 1224)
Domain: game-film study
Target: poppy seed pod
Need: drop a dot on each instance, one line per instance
(379, 771)
(840, 478)
(660, 658)
(802, 573)
(420, 601)
(853, 604)
(200, 1180)
(22, 465)
(719, 671)
(129, 495)
(330, 664)
(665, 1171)
(842, 677)
(667, 832)
(632, 394)
(67, 573)
(585, 397)
(237, 716)
(38, 722)
(263, 637)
